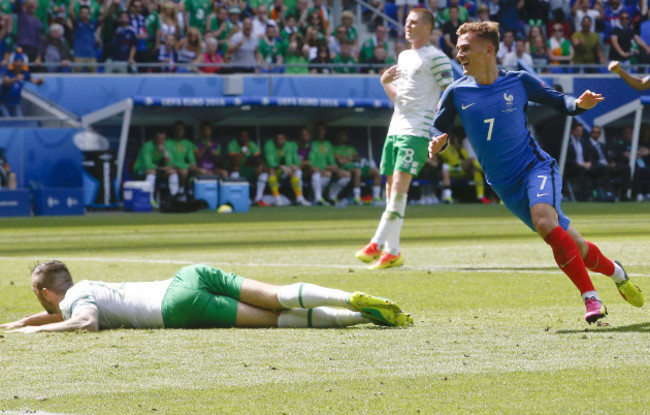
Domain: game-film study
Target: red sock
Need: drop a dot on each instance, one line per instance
(598, 262)
(567, 255)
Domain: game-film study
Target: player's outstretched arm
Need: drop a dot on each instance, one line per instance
(437, 144)
(640, 84)
(387, 78)
(85, 319)
(589, 100)
(34, 320)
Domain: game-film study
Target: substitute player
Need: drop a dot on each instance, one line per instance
(199, 296)
(492, 107)
(414, 85)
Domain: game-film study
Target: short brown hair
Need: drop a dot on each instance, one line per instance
(53, 275)
(485, 30)
(426, 14)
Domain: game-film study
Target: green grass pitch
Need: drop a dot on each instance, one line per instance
(498, 328)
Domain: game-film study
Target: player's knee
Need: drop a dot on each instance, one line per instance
(544, 224)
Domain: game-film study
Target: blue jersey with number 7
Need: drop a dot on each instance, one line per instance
(494, 118)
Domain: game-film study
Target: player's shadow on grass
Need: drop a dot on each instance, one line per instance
(638, 328)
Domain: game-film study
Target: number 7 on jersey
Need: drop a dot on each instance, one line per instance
(491, 122)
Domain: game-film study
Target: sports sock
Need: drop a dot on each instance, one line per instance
(337, 186)
(597, 262)
(261, 184)
(303, 295)
(151, 182)
(391, 222)
(320, 317)
(446, 193)
(173, 184)
(356, 192)
(478, 183)
(296, 186)
(567, 255)
(317, 185)
(324, 182)
(376, 192)
(396, 207)
(590, 294)
(274, 185)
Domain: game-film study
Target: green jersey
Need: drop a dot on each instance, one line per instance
(256, 3)
(198, 10)
(292, 59)
(321, 154)
(285, 156)
(182, 153)
(347, 60)
(152, 25)
(347, 151)
(368, 49)
(270, 50)
(251, 149)
(151, 157)
(95, 9)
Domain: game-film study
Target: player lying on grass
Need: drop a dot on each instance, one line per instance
(492, 105)
(199, 296)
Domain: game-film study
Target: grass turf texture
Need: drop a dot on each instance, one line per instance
(498, 328)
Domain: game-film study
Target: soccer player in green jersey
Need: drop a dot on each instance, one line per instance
(154, 160)
(348, 159)
(199, 296)
(282, 160)
(323, 166)
(246, 161)
(414, 85)
(183, 155)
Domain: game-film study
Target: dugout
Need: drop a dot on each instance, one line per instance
(129, 123)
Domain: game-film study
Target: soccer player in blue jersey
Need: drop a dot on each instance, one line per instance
(492, 105)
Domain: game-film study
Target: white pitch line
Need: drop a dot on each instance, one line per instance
(461, 268)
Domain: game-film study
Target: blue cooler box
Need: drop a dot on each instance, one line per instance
(58, 201)
(137, 197)
(207, 190)
(235, 192)
(15, 203)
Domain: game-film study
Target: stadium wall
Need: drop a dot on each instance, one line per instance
(43, 157)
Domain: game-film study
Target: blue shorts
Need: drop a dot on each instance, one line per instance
(542, 184)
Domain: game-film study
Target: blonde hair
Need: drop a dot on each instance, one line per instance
(427, 15)
(484, 30)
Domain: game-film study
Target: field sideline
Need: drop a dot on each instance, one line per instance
(498, 328)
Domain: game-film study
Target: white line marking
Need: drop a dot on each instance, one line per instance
(459, 268)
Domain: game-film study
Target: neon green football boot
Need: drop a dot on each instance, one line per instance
(380, 310)
(630, 292)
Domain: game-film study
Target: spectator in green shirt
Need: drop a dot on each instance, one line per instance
(196, 13)
(282, 160)
(220, 27)
(271, 48)
(347, 21)
(368, 48)
(323, 165)
(297, 54)
(245, 161)
(348, 159)
(345, 57)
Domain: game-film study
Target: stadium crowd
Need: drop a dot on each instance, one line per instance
(299, 36)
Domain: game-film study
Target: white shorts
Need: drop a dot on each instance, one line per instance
(409, 2)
